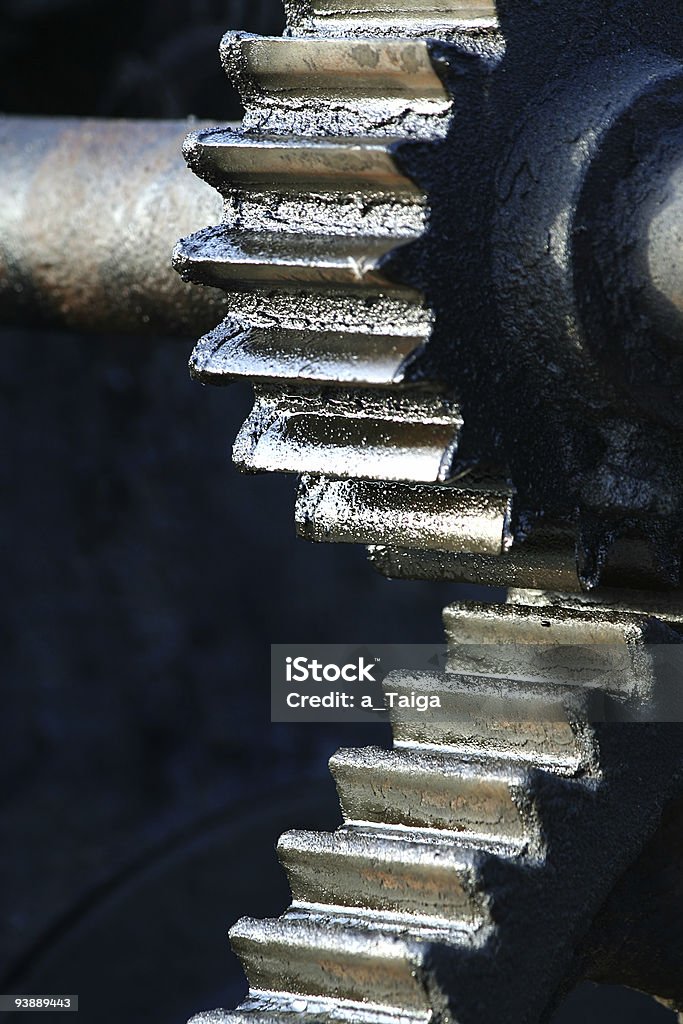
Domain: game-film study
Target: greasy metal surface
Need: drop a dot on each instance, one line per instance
(316, 210)
(443, 518)
(360, 69)
(258, 354)
(529, 723)
(256, 259)
(434, 17)
(377, 872)
(273, 162)
(522, 566)
(89, 214)
(421, 790)
(349, 435)
(558, 646)
(667, 606)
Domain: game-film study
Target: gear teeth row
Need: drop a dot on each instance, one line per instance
(405, 873)
(437, 829)
(316, 209)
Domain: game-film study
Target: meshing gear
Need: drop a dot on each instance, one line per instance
(433, 241)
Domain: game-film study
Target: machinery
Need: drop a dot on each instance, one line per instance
(451, 247)
(451, 244)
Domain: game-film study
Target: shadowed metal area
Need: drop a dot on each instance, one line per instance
(89, 214)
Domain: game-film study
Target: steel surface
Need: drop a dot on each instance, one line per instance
(89, 213)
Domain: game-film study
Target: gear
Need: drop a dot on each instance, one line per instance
(405, 298)
(317, 209)
(422, 297)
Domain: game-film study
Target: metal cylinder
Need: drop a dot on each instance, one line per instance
(628, 255)
(89, 214)
(660, 241)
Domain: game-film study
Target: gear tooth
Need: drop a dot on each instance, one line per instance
(394, 875)
(544, 561)
(526, 723)
(431, 790)
(575, 644)
(350, 959)
(338, 436)
(415, 18)
(236, 351)
(554, 571)
(230, 258)
(280, 68)
(601, 628)
(438, 518)
(230, 158)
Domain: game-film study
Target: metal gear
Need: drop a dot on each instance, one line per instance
(407, 295)
(316, 208)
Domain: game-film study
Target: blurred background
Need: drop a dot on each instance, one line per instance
(142, 785)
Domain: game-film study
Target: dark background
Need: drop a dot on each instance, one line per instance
(141, 783)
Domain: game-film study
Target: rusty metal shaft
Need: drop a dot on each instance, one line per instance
(89, 214)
